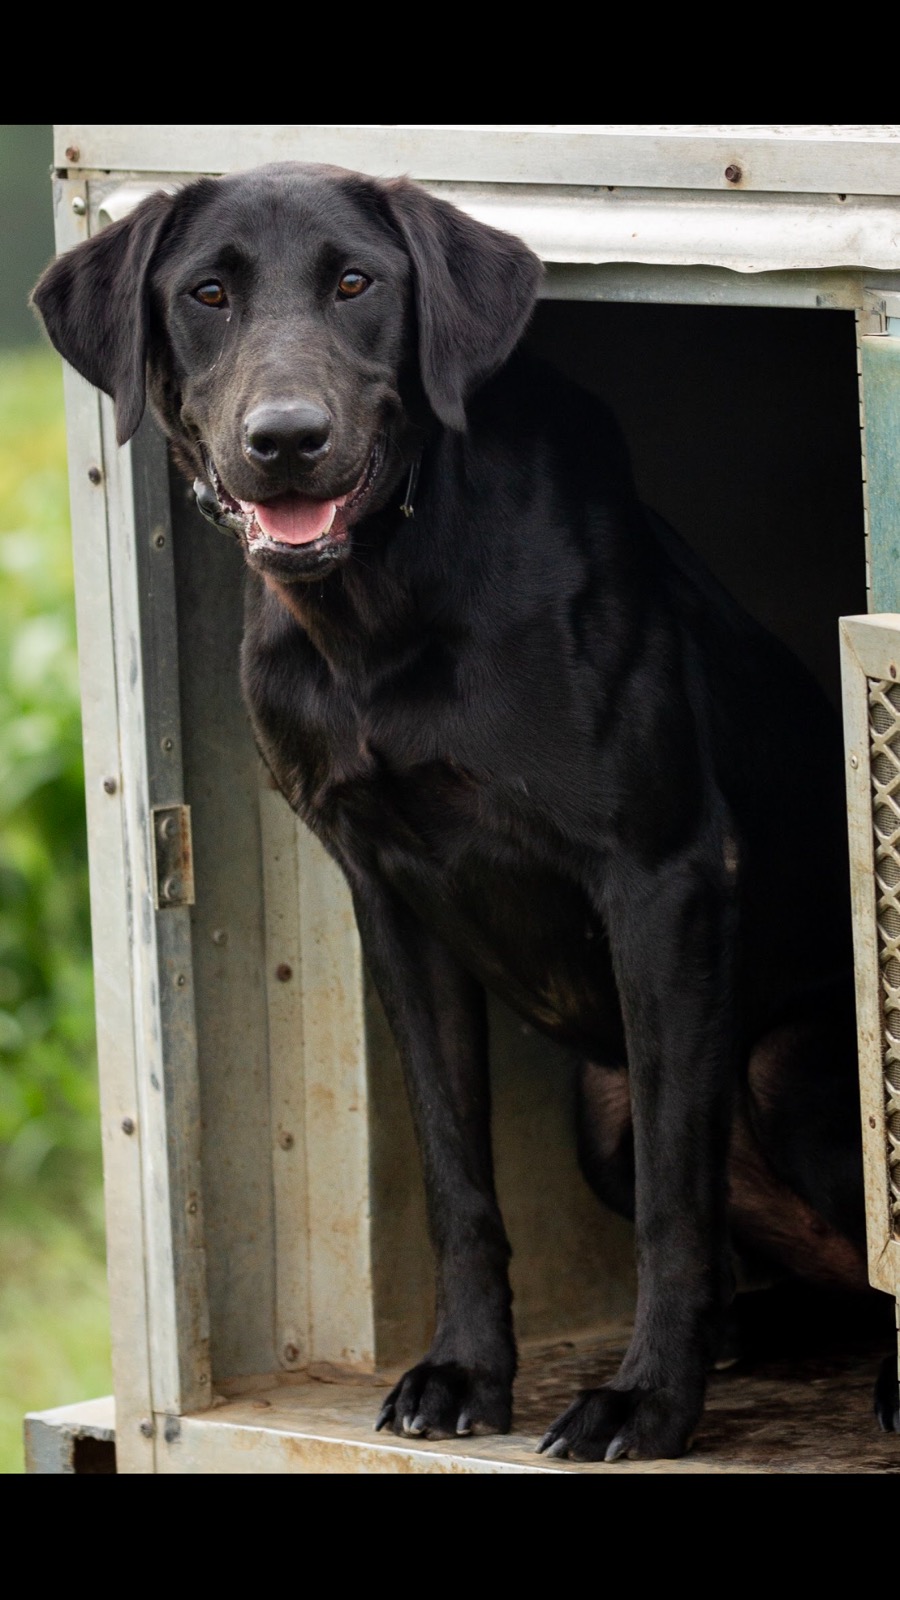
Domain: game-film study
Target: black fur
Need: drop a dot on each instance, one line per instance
(552, 757)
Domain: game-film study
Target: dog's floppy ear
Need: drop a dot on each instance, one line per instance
(475, 290)
(94, 305)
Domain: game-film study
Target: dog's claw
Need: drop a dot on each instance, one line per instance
(463, 1424)
(616, 1448)
(384, 1415)
(550, 1445)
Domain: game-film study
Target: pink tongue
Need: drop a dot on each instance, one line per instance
(293, 518)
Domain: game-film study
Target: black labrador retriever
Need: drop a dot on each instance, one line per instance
(551, 756)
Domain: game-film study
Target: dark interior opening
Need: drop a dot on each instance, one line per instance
(743, 426)
(94, 1455)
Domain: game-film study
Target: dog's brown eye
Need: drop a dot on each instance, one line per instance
(352, 284)
(211, 294)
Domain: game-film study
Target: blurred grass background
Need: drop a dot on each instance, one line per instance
(54, 1342)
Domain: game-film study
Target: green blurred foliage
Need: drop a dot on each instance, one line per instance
(48, 1100)
(54, 1328)
(54, 1341)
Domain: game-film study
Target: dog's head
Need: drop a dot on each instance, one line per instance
(295, 327)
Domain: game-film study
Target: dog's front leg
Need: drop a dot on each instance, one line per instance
(672, 935)
(438, 1017)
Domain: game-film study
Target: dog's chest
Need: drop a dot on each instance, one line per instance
(452, 827)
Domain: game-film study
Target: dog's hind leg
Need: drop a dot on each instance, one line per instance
(438, 1016)
(606, 1135)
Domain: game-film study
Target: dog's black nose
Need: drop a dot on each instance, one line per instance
(281, 432)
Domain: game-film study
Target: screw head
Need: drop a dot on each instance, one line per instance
(159, 540)
(854, 761)
(291, 1353)
(219, 936)
(286, 1140)
(284, 973)
(734, 173)
(73, 153)
(146, 1428)
(167, 744)
(95, 474)
(79, 206)
(110, 785)
(128, 1125)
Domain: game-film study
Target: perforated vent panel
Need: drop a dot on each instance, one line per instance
(884, 729)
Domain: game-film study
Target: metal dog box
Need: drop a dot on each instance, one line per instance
(735, 293)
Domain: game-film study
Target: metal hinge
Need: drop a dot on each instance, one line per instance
(173, 859)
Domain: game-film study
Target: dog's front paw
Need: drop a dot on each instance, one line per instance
(606, 1424)
(445, 1400)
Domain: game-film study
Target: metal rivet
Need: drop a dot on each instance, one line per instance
(95, 475)
(181, 980)
(167, 744)
(171, 889)
(168, 828)
(854, 761)
(78, 206)
(871, 1122)
(284, 973)
(219, 936)
(160, 540)
(734, 173)
(291, 1353)
(128, 1124)
(110, 785)
(286, 1140)
(192, 1207)
(146, 1428)
(73, 153)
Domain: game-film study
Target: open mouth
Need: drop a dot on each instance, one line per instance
(290, 523)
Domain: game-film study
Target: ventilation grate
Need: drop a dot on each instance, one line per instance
(884, 729)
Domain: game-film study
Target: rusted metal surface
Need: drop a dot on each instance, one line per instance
(110, 894)
(227, 928)
(798, 1413)
(173, 860)
(811, 158)
(805, 1410)
(61, 1440)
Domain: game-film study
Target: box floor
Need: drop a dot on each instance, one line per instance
(794, 1412)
